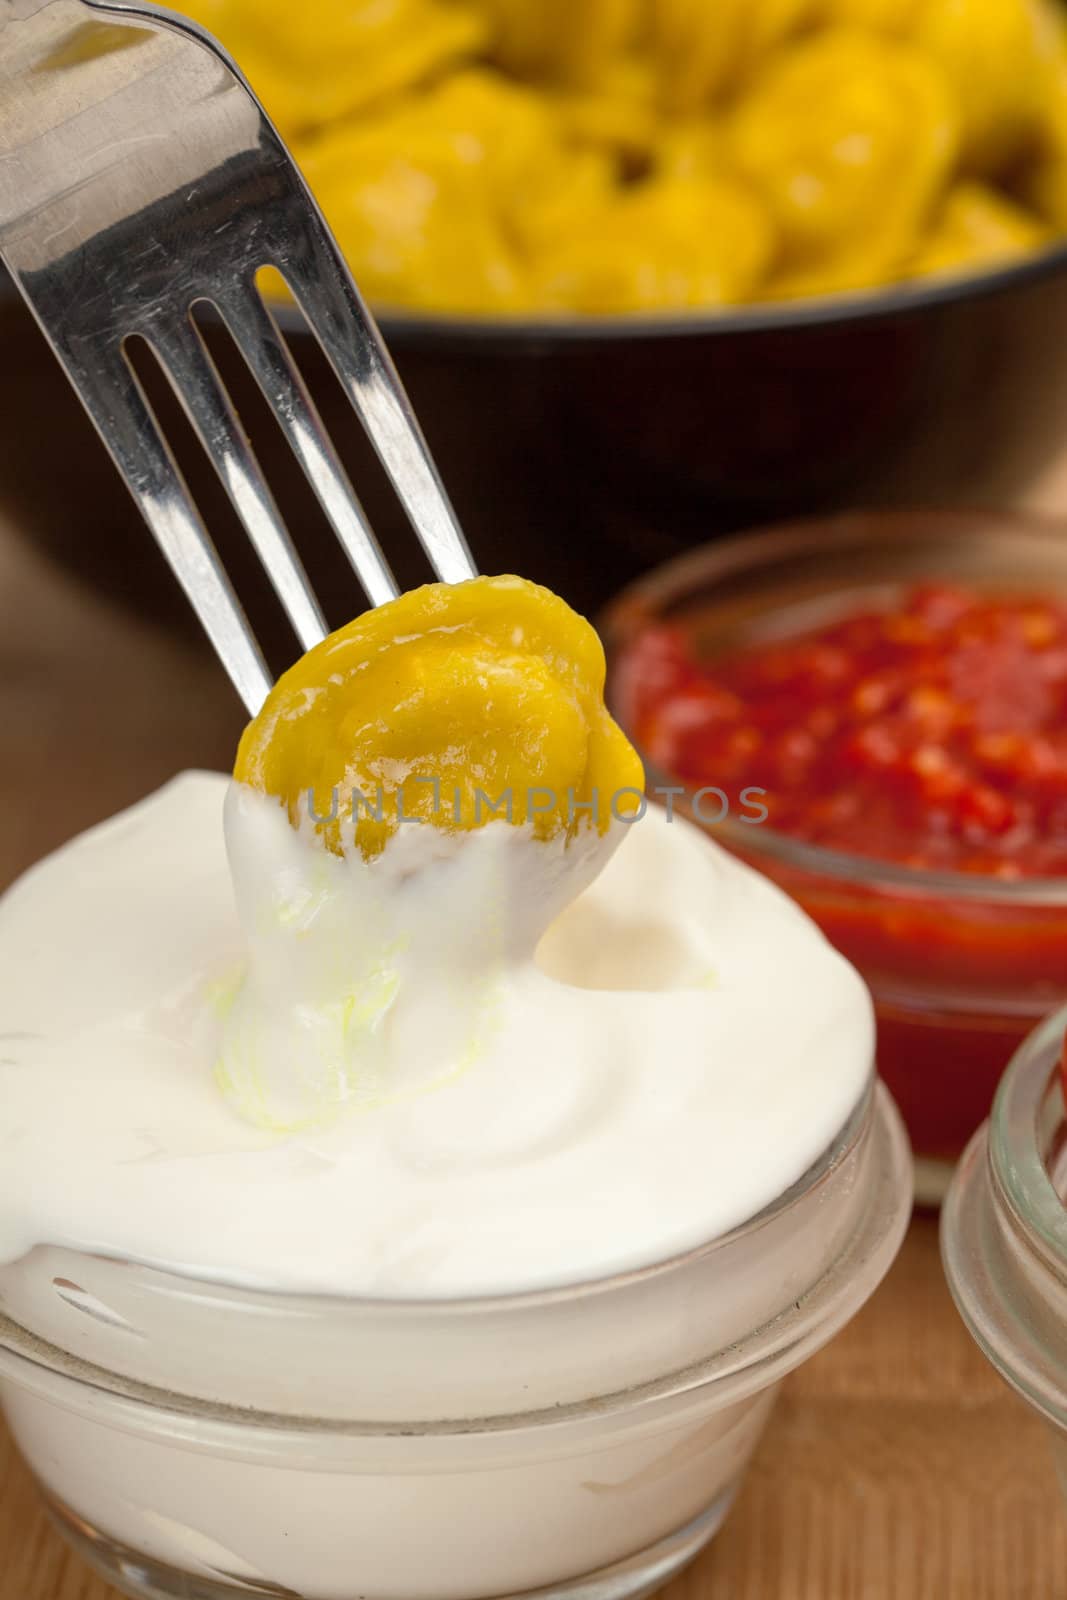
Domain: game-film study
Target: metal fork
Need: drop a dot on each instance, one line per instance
(140, 178)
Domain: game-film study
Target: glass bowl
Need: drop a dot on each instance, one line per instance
(202, 1442)
(1004, 1233)
(960, 966)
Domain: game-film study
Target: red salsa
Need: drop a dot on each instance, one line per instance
(929, 733)
(934, 734)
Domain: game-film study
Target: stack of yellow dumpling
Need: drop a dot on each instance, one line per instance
(613, 156)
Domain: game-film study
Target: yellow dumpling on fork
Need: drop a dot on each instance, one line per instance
(490, 688)
(474, 711)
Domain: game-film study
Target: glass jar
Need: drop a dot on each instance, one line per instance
(960, 966)
(1004, 1232)
(201, 1441)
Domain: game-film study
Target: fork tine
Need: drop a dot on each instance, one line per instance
(329, 299)
(125, 421)
(194, 377)
(263, 347)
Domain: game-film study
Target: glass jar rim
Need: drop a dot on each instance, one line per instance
(1004, 1230)
(1017, 1161)
(642, 604)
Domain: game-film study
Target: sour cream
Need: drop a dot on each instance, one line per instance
(479, 1063)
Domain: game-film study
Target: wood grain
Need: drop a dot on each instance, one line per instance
(897, 1467)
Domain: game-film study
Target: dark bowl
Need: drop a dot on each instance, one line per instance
(583, 452)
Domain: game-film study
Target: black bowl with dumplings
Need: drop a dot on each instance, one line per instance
(583, 452)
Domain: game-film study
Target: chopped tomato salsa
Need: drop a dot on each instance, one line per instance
(933, 734)
(929, 732)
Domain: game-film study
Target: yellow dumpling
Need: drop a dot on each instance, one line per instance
(557, 38)
(850, 139)
(708, 47)
(666, 244)
(881, 16)
(615, 111)
(494, 686)
(995, 55)
(844, 274)
(420, 197)
(694, 148)
(977, 227)
(320, 60)
(559, 200)
(536, 181)
(418, 234)
(1045, 185)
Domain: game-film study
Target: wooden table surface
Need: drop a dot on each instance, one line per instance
(897, 1467)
